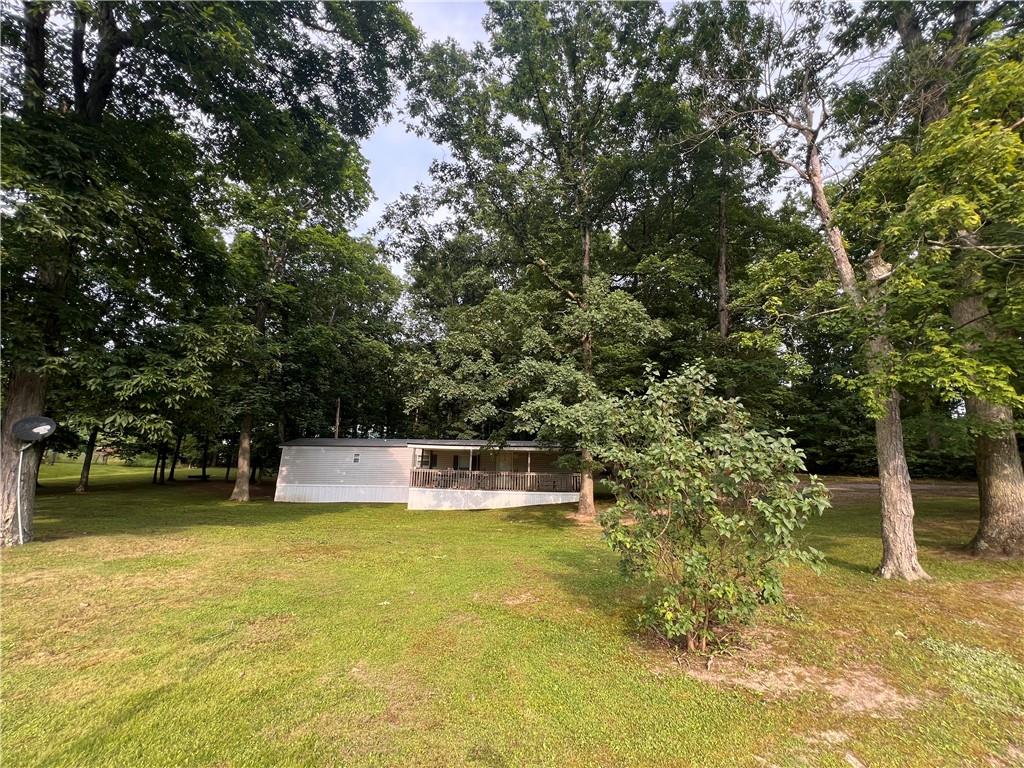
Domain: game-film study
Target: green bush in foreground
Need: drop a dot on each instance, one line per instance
(708, 508)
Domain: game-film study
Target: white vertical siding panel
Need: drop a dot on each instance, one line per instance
(370, 494)
(321, 473)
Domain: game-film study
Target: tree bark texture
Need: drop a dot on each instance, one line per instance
(899, 547)
(25, 397)
(90, 448)
(34, 86)
(723, 270)
(996, 457)
(586, 506)
(241, 489)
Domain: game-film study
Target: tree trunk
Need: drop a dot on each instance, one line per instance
(1000, 475)
(34, 57)
(337, 418)
(723, 271)
(156, 467)
(241, 490)
(899, 548)
(25, 397)
(163, 461)
(1000, 481)
(586, 506)
(90, 447)
(997, 458)
(206, 457)
(174, 456)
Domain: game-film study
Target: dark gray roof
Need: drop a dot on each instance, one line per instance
(349, 442)
(358, 442)
(477, 443)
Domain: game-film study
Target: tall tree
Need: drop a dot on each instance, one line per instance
(121, 109)
(785, 106)
(318, 304)
(953, 201)
(539, 126)
(936, 54)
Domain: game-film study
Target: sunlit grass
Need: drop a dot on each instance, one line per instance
(166, 626)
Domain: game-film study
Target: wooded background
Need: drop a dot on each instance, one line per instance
(823, 204)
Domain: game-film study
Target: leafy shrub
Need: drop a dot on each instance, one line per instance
(708, 508)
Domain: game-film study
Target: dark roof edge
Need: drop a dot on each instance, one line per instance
(358, 442)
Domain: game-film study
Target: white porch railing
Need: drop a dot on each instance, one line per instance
(465, 480)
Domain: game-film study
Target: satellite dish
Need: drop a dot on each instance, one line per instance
(33, 428)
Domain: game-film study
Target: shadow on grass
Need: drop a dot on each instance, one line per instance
(63, 514)
(848, 536)
(861, 569)
(556, 516)
(595, 579)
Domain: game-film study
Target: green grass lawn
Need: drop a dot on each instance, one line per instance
(164, 626)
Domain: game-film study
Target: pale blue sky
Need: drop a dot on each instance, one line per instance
(398, 159)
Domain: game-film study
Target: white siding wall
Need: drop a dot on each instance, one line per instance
(317, 473)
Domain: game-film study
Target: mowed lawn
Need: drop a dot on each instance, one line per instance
(165, 626)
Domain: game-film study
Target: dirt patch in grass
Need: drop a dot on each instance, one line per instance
(275, 629)
(404, 699)
(106, 547)
(1013, 758)
(457, 619)
(861, 691)
(831, 738)
(522, 598)
(857, 691)
(366, 708)
(1011, 592)
(761, 664)
(75, 658)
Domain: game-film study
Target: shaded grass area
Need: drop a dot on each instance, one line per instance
(166, 626)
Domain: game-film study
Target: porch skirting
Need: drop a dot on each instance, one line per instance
(448, 498)
(393, 494)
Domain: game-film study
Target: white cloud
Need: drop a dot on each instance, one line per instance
(398, 159)
(459, 20)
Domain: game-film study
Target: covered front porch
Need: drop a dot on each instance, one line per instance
(480, 477)
(469, 480)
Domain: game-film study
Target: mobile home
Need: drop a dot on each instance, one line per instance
(425, 474)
